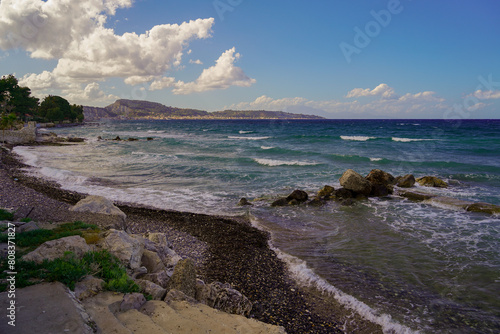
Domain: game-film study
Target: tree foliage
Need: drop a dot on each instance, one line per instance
(56, 109)
(16, 99)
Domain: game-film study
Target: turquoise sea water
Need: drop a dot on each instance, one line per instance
(407, 266)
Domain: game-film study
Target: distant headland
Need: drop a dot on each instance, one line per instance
(145, 110)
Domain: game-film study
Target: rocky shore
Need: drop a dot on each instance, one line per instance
(223, 249)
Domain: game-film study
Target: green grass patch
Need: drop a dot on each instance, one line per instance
(69, 270)
(26, 220)
(6, 215)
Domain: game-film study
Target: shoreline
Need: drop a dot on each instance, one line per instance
(226, 249)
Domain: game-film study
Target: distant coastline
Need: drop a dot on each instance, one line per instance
(145, 110)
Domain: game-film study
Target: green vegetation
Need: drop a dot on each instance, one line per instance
(33, 239)
(16, 103)
(6, 215)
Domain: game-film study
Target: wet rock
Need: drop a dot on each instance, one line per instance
(379, 190)
(326, 192)
(483, 208)
(355, 182)
(117, 138)
(184, 277)
(244, 202)
(316, 202)
(432, 181)
(299, 196)
(347, 202)
(149, 138)
(343, 193)
(132, 139)
(54, 249)
(415, 195)
(377, 176)
(406, 181)
(75, 140)
(280, 202)
(132, 301)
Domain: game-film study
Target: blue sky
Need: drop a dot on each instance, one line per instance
(338, 59)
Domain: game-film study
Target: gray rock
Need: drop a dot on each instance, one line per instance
(98, 204)
(184, 277)
(244, 202)
(432, 181)
(355, 182)
(157, 292)
(298, 195)
(54, 249)
(132, 301)
(406, 181)
(280, 202)
(152, 262)
(483, 208)
(175, 295)
(159, 244)
(31, 226)
(223, 297)
(88, 287)
(161, 278)
(377, 176)
(126, 248)
(316, 202)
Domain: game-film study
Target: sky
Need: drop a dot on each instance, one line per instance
(337, 59)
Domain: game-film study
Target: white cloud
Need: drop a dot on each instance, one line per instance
(220, 76)
(423, 104)
(487, 94)
(197, 61)
(75, 33)
(92, 92)
(382, 90)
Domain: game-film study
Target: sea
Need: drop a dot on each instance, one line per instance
(411, 267)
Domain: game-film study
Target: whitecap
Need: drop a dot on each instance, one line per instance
(376, 159)
(273, 163)
(357, 138)
(244, 132)
(267, 147)
(407, 140)
(248, 138)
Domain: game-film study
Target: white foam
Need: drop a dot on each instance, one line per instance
(267, 147)
(407, 140)
(62, 176)
(376, 159)
(244, 132)
(26, 154)
(357, 138)
(248, 138)
(273, 163)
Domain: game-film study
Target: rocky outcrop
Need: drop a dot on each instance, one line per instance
(126, 248)
(326, 192)
(377, 176)
(244, 202)
(295, 198)
(432, 181)
(355, 182)
(406, 181)
(54, 249)
(223, 297)
(88, 287)
(483, 208)
(101, 205)
(184, 277)
(132, 301)
(152, 261)
(149, 288)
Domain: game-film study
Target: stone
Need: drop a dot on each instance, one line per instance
(415, 195)
(379, 190)
(244, 202)
(126, 248)
(406, 181)
(175, 295)
(132, 301)
(432, 181)
(98, 204)
(299, 196)
(159, 244)
(54, 249)
(326, 192)
(161, 278)
(88, 287)
(377, 176)
(223, 297)
(355, 182)
(184, 277)
(152, 261)
(483, 208)
(347, 202)
(316, 202)
(31, 226)
(132, 139)
(280, 202)
(157, 292)
(117, 138)
(343, 193)
(149, 138)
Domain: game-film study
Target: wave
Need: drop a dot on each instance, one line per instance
(242, 132)
(273, 163)
(407, 140)
(357, 138)
(376, 159)
(248, 138)
(267, 147)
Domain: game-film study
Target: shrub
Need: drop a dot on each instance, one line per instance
(6, 215)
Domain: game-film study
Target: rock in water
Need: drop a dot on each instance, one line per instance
(377, 176)
(406, 181)
(355, 182)
(484, 208)
(298, 195)
(54, 249)
(184, 277)
(326, 192)
(432, 181)
(244, 202)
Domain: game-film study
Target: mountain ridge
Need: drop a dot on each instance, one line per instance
(146, 110)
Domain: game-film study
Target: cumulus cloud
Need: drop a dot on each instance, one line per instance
(75, 34)
(197, 61)
(487, 94)
(220, 76)
(382, 90)
(422, 103)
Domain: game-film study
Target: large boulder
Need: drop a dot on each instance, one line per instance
(326, 192)
(432, 181)
(355, 182)
(98, 204)
(184, 277)
(126, 248)
(152, 262)
(158, 243)
(483, 208)
(88, 287)
(154, 290)
(298, 195)
(223, 297)
(406, 181)
(161, 278)
(132, 301)
(343, 193)
(377, 176)
(54, 249)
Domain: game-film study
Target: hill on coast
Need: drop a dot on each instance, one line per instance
(142, 110)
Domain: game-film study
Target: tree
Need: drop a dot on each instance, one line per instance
(16, 99)
(7, 121)
(55, 109)
(76, 113)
